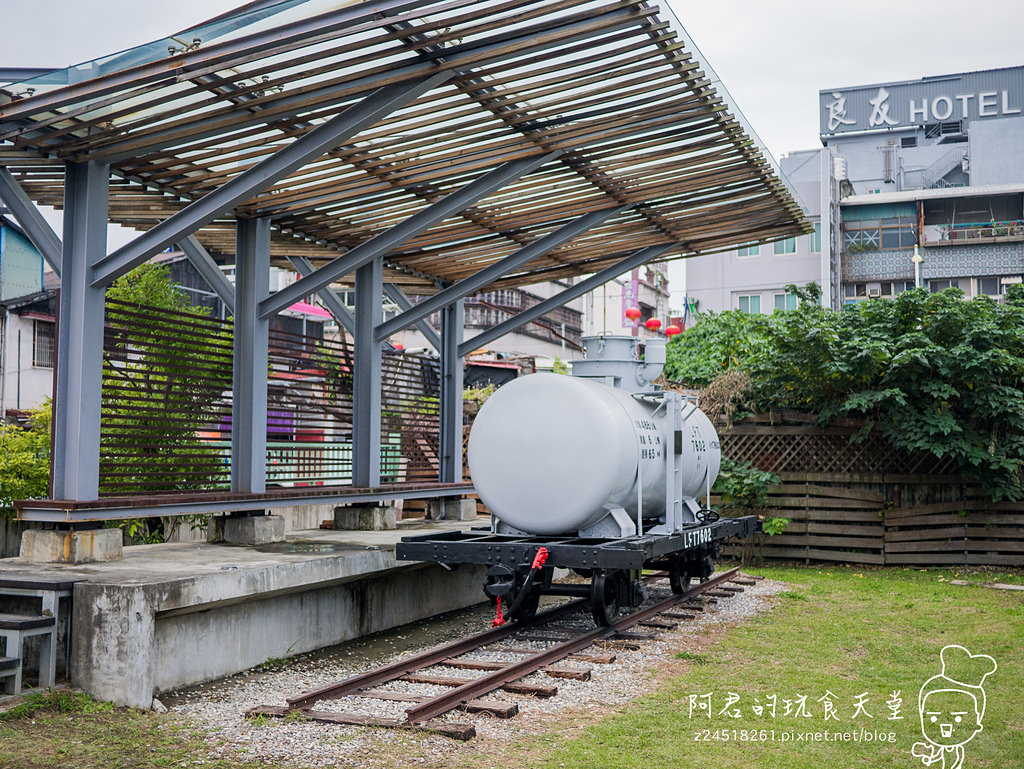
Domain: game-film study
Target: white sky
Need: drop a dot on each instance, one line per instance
(773, 56)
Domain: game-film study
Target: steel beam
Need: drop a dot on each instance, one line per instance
(16, 75)
(398, 297)
(342, 315)
(251, 346)
(204, 264)
(79, 375)
(452, 324)
(250, 182)
(366, 379)
(381, 244)
(553, 303)
(216, 56)
(492, 272)
(31, 221)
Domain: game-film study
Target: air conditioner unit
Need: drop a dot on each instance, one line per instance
(874, 291)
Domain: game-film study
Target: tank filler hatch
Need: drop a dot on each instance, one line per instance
(615, 361)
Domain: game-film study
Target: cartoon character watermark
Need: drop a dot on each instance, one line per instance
(952, 705)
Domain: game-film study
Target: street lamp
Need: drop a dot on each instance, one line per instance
(916, 259)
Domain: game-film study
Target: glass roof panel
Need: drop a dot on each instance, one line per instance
(236, 23)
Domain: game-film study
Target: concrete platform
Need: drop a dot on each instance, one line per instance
(175, 614)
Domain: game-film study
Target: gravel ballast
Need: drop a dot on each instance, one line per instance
(217, 708)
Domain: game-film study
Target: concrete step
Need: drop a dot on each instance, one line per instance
(25, 621)
(9, 663)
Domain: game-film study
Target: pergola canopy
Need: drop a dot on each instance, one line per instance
(599, 103)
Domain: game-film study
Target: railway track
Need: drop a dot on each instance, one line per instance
(464, 693)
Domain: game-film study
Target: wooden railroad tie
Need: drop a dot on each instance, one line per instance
(625, 635)
(658, 625)
(717, 594)
(537, 690)
(678, 614)
(616, 644)
(496, 708)
(447, 728)
(743, 581)
(732, 589)
(554, 671)
(597, 658)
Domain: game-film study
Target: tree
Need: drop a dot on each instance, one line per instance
(930, 372)
(25, 459)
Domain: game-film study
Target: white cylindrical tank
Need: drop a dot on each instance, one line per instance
(552, 454)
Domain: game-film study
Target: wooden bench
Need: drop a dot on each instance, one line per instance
(10, 672)
(211, 502)
(14, 629)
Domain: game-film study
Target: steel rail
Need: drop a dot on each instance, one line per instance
(409, 665)
(492, 681)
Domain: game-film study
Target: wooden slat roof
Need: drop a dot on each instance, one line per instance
(608, 82)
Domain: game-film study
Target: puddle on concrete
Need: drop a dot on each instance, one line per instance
(298, 547)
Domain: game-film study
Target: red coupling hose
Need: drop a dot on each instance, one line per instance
(538, 560)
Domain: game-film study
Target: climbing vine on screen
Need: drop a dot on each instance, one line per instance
(930, 372)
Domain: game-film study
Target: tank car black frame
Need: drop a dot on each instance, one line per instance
(614, 566)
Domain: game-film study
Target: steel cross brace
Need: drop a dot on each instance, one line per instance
(399, 298)
(27, 215)
(342, 314)
(392, 237)
(204, 264)
(491, 273)
(578, 289)
(281, 164)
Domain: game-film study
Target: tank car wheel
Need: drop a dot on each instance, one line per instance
(604, 597)
(678, 576)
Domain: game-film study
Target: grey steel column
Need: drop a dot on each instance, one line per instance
(249, 389)
(79, 379)
(452, 324)
(366, 380)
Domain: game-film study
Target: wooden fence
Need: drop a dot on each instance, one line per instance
(868, 502)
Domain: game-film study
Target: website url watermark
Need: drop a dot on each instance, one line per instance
(791, 735)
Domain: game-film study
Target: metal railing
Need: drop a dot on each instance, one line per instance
(973, 232)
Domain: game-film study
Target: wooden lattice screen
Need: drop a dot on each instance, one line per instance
(790, 442)
(869, 502)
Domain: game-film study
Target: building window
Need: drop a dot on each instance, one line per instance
(751, 249)
(751, 304)
(787, 246)
(42, 343)
(814, 239)
(785, 302)
(989, 286)
(889, 234)
(908, 141)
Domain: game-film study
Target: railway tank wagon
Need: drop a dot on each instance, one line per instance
(599, 472)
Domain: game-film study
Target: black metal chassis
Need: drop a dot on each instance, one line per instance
(481, 546)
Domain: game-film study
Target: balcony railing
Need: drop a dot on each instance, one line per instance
(972, 232)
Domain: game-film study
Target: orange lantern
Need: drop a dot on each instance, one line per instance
(653, 324)
(671, 331)
(633, 313)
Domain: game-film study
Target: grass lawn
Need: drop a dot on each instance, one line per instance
(838, 631)
(73, 731)
(842, 631)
